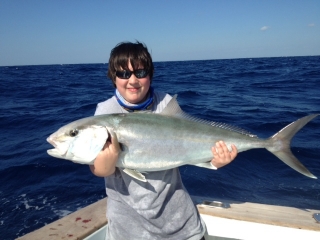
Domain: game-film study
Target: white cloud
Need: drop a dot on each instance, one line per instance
(264, 28)
(311, 25)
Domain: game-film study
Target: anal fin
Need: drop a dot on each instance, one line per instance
(135, 174)
(206, 165)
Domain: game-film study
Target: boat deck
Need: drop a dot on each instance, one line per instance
(82, 223)
(76, 225)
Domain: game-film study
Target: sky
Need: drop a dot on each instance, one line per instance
(37, 32)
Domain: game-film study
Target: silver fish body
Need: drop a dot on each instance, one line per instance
(157, 142)
(154, 142)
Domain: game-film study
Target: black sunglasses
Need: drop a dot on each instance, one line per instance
(125, 74)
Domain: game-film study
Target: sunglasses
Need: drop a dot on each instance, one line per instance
(125, 74)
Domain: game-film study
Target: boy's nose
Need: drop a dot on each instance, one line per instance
(133, 79)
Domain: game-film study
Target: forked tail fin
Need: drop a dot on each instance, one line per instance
(281, 145)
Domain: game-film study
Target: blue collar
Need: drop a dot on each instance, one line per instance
(130, 107)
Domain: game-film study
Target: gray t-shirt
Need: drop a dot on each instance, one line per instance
(160, 208)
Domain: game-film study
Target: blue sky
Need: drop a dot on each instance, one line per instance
(76, 31)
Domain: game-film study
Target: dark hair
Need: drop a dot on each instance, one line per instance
(137, 53)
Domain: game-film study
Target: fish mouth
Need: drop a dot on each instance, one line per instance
(57, 151)
(49, 140)
(53, 152)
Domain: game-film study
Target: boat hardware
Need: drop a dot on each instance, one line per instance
(216, 204)
(316, 216)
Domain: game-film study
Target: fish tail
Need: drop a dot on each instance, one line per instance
(280, 145)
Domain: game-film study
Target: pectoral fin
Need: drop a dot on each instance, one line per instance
(206, 165)
(135, 174)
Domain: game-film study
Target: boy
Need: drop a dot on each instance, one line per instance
(160, 208)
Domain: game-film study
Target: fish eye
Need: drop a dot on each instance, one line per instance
(73, 132)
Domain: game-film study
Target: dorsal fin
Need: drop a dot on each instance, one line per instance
(173, 109)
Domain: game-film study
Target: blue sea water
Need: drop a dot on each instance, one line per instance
(261, 95)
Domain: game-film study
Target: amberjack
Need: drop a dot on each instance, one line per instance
(172, 138)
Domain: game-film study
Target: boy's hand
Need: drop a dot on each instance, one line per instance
(105, 163)
(222, 155)
(112, 147)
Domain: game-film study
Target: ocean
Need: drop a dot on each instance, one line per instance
(261, 95)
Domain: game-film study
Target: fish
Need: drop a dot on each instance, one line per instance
(154, 142)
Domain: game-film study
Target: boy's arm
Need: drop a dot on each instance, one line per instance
(105, 163)
(222, 155)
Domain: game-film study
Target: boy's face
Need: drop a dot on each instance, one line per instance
(134, 89)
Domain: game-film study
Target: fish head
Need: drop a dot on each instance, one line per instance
(80, 141)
